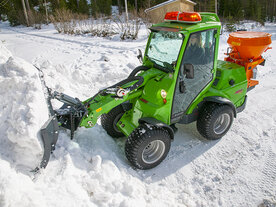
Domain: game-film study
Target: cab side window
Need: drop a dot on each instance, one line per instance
(199, 52)
(200, 48)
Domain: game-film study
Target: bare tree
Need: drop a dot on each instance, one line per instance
(126, 11)
(28, 5)
(25, 13)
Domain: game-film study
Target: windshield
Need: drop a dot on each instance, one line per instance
(164, 46)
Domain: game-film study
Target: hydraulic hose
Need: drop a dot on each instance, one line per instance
(139, 79)
(128, 80)
(159, 67)
(138, 69)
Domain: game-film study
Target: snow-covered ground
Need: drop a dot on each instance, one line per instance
(91, 170)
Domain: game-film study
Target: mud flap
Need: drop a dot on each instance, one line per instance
(49, 135)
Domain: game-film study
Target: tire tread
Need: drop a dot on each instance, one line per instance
(135, 140)
(207, 117)
(107, 121)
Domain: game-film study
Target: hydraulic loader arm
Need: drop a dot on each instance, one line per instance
(75, 113)
(102, 105)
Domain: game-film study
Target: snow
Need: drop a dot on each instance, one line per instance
(91, 170)
(22, 102)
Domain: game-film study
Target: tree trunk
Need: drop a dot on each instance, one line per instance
(46, 11)
(126, 11)
(136, 7)
(28, 5)
(274, 10)
(119, 6)
(25, 12)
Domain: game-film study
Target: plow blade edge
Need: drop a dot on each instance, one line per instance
(49, 135)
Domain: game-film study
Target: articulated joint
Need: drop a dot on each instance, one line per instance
(157, 123)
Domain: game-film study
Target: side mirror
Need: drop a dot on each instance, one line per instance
(189, 70)
(140, 56)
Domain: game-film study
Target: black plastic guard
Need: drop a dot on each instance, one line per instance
(157, 123)
(49, 135)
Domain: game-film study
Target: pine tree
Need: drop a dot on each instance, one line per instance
(101, 7)
(73, 5)
(62, 4)
(211, 6)
(94, 8)
(221, 8)
(83, 7)
(58, 4)
(15, 12)
(105, 6)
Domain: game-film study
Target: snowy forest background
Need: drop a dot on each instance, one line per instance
(229, 11)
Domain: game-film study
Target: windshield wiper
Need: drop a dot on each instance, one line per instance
(167, 68)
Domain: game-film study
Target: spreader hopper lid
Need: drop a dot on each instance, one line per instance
(245, 38)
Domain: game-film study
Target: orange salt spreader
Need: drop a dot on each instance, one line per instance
(246, 49)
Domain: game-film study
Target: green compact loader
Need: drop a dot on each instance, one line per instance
(171, 86)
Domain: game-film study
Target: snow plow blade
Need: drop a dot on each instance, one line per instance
(49, 135)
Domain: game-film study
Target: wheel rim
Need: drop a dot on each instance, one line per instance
(153, 151)
(222, 123)
(117, 118)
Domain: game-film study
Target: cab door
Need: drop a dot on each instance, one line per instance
(202, 60)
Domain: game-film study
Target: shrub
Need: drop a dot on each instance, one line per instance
(69, 23)
(230, 27)
(36, 19)
(130, 29)
(64, 21)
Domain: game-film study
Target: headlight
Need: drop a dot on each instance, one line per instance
(163, 93)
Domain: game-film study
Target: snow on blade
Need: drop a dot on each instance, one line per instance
(23, 111)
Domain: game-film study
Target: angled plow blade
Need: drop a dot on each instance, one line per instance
(49, 135)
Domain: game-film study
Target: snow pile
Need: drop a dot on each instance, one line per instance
(23, 111)
(17, 189)
(5, 53)
(91, 170)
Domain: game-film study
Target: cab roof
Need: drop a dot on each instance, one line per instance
(209, 20)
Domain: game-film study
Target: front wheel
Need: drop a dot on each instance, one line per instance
(146, 147)
(215, 120)
(109, 121)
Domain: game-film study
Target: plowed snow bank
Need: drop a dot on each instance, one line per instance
(23, 111)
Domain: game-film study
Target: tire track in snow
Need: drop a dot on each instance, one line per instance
(80, 52)
(82, 43)
(268, 177)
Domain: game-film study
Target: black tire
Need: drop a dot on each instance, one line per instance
(146, 147)
(215, 120)
(110, 120)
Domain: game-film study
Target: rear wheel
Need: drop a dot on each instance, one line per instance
(109, 121)
(146, 147)
(215, 121)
